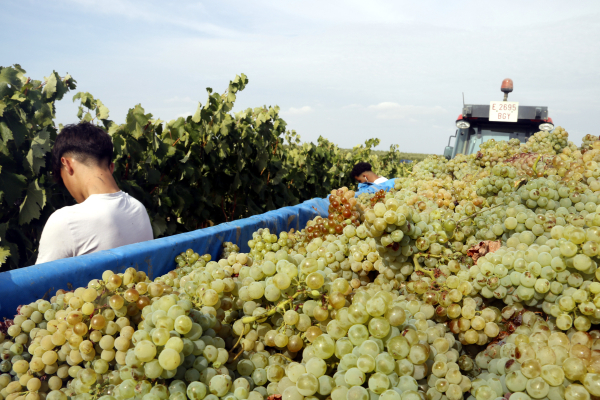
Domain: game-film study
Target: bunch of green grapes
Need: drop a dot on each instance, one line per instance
(463, 167)
(428, 168)
(446, 192)
(492, 152)
(537, 361)
(279, 303)
(383, 345)
(284, 298)
(76, 335)
(548, 142)
(455, 300)
(590, 142)
(364, 199)
(229, 248)
(263, 242)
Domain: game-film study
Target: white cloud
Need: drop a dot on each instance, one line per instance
(299, 111)
(390, 110)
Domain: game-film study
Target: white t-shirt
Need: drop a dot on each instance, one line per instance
(379, 180)
(101, 222)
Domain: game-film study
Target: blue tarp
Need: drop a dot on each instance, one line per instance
(155, 257)
(371, 188)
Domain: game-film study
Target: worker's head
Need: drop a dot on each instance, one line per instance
(79, 150)
(362, 172)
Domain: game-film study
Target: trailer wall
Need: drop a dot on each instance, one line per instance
(155, 257)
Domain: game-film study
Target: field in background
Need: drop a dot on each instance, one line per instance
(405, 156)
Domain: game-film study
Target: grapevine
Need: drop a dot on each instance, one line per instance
(217, 158)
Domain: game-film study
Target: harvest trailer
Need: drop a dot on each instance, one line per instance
(500, 120)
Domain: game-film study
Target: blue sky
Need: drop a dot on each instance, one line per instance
(346, 70)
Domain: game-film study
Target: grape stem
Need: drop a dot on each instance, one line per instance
(236, 343)
(239, 353)
(430, 273)
(421, 269)
(287, 358)
(434, 255)
(249, 320)
(477, 213)
(535, 164)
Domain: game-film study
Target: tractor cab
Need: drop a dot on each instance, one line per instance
(500, 120)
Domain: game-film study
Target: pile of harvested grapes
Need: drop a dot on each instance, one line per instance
(474, 278)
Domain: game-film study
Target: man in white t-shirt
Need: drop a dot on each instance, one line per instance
(363, 174)
(105, 217)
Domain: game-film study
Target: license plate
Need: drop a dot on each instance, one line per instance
(504, 111)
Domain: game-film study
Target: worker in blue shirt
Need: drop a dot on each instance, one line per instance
(363, 173)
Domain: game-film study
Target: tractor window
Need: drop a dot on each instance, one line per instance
(462, 141)
(504, 133)
(483, 133)
(474, 142)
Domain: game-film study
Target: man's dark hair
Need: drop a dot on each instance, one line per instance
(87, 143)
(359, 168)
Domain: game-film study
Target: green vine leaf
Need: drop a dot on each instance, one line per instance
(13, 186)
(50, 88)
(4, 254)
(5, 132)
(101, 110)
(10, 76)
(35, 200)
(40, 145)
(159, 226)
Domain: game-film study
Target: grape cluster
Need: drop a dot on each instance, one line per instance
(549, 142)
(343, 209)
(229, 248)
(263, 242)
(377, 197)
(590, 142)
(538, 361)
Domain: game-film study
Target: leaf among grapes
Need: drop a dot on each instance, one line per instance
(482, 248)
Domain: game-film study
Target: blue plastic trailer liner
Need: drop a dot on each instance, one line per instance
(155, 257)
